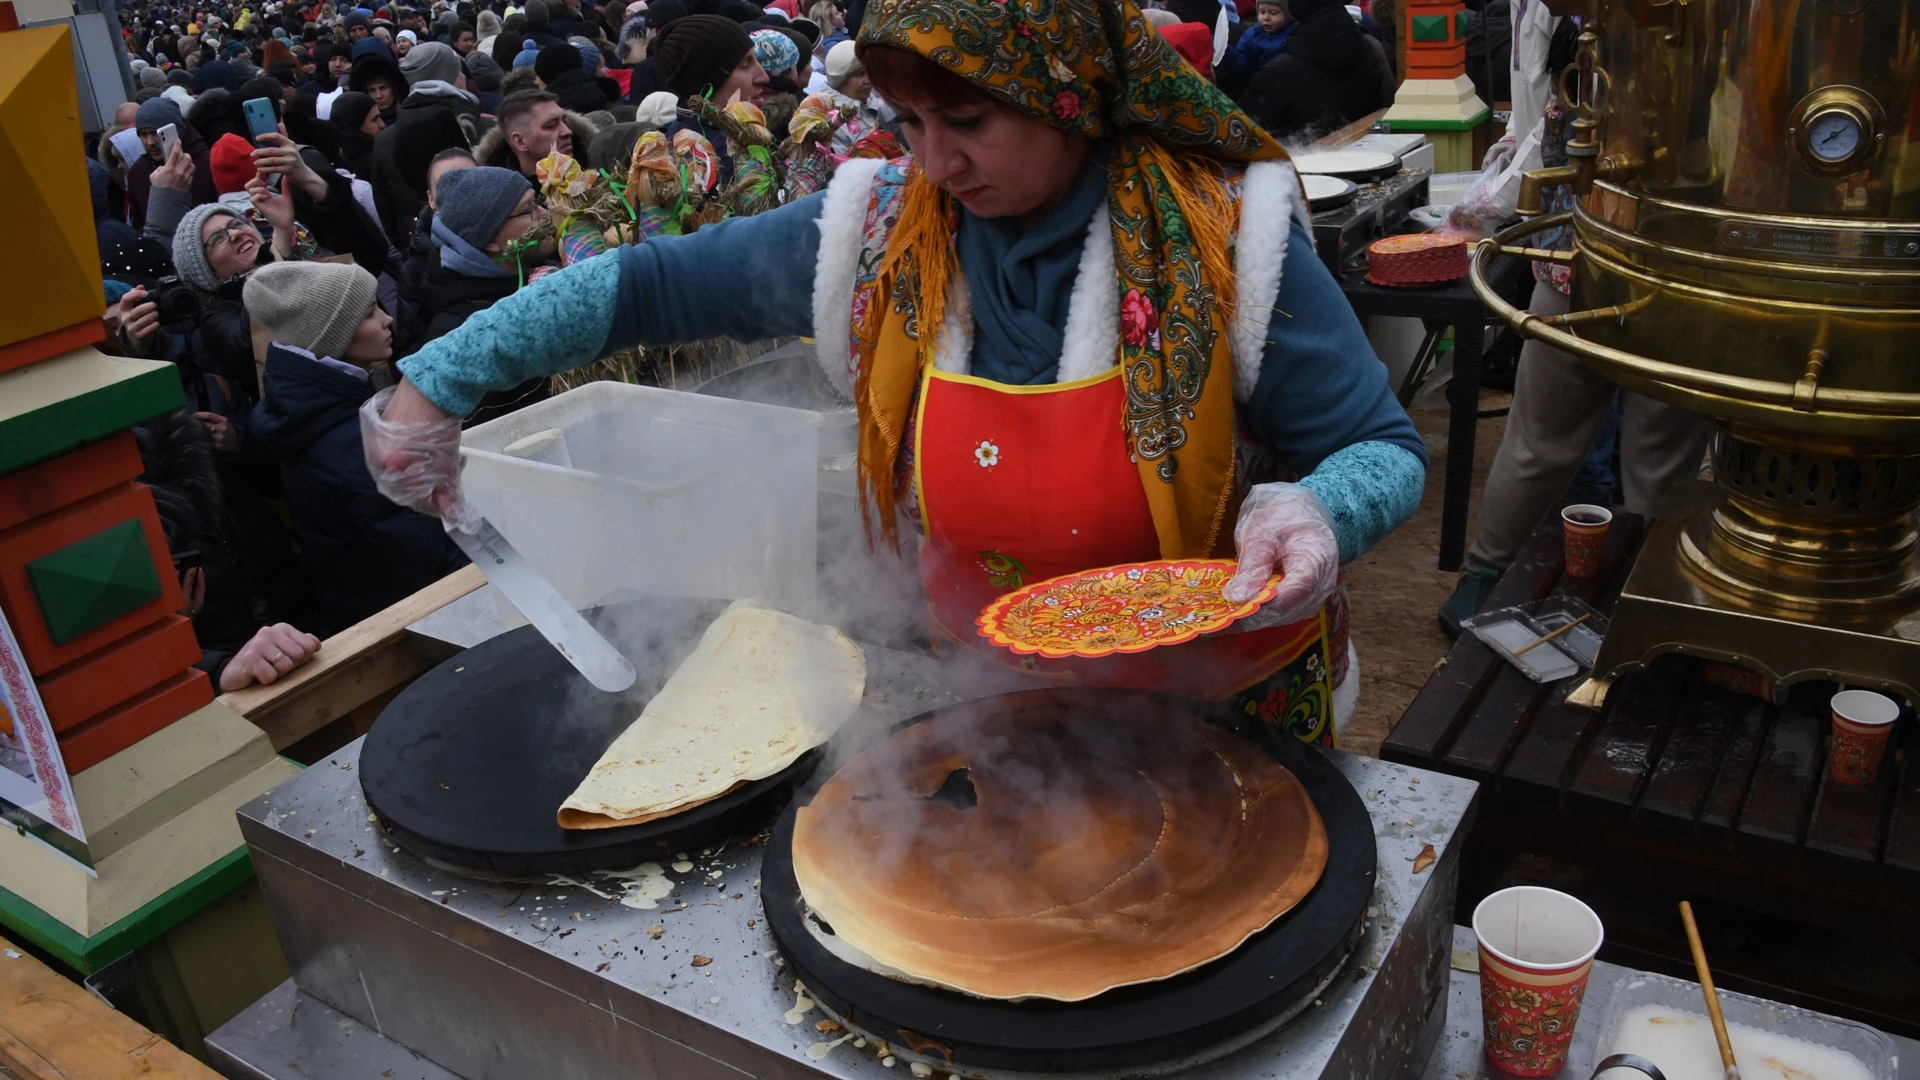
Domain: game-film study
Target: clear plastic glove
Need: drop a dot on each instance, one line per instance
(413, 453)
(1500, 154)
(1284, 527)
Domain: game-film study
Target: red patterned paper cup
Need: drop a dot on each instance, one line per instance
(1863, 723)
(1585, 526)
(1536, 952)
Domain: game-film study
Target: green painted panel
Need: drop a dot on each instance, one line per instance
(1460, 26)
(1429, 27)
(94, 581)
(117, 394)
(1468, 124)
(86, 955)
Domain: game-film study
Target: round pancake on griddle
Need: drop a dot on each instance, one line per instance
(1029, 854)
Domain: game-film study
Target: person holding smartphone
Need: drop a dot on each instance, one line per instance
(152, 118)
(216, 246)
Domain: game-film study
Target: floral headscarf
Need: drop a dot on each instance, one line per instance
(1098, 69)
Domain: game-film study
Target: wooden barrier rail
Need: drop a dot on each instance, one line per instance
(361, 666)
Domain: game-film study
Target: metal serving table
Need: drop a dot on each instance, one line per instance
(400, 967)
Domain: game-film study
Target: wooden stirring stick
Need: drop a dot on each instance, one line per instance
(1706, 987)
(1537, 642)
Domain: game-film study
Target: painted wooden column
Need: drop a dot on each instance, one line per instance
(87, 584)
(1436, 96)
(84, 569)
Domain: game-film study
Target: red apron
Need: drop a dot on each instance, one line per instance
(1018, 484)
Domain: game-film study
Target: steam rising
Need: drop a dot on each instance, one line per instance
(873, 596)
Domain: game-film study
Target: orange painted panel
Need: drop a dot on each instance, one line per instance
(95, 683)
(52, 343)
(50, 485)
(113, 731)
(24, 543)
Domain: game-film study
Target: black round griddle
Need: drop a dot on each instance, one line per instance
(1270, 975)
(468, 765)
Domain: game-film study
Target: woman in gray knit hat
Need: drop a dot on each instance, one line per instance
(215, 247)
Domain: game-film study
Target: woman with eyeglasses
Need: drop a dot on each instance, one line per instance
(198, 320)
(294, 205)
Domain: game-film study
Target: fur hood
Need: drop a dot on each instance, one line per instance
(492, 149)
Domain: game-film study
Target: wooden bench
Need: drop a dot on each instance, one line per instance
(1675, 787)
(52, 1029)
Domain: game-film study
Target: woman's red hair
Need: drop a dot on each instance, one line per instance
(903, 76)
(274, 52)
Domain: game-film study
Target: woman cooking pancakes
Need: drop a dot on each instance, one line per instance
(1083, 325)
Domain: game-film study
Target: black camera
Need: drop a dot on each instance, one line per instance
(176, 300)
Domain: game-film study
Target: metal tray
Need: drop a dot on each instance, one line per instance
(1508, 630)
(1873, 1048)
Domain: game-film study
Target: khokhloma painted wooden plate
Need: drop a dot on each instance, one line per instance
(1118, 609)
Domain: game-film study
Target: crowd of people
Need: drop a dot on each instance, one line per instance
(301, 193)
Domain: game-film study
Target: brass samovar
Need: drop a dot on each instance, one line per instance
(1746, 243)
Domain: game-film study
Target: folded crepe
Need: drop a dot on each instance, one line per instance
(760, 689)
(1054, 854)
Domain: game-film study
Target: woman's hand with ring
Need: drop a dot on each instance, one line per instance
(1284, 527)
(272, 652)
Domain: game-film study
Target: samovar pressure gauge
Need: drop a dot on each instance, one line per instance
(1836, 129)
(1834, 136)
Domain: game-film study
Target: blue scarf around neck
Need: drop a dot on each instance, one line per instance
(1021, 283)
(463, 258)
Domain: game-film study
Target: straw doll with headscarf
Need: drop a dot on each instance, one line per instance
(1083, 325)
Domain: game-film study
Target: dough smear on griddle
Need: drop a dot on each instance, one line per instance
(1097, 852)
(761, 688)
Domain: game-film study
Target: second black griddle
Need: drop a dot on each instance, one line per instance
(1271, 975)
(468, 765)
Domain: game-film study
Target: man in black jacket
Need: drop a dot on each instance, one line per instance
(532, 125)
(1329, 75)
(433, 70)
(337, 61)
(442, 115)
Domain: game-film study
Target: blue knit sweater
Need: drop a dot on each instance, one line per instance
(1322, 401)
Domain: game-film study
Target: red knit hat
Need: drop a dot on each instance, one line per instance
(232, 163)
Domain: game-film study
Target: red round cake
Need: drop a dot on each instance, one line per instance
(1416, 259)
